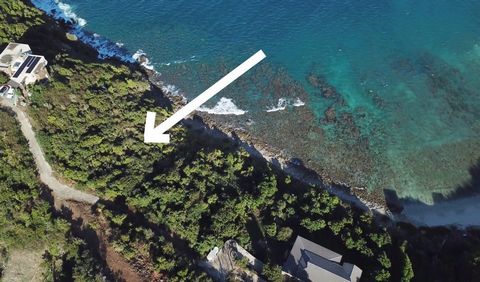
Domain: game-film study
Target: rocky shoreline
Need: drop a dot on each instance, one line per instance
(253, 144)
(358, 196)
(354, 163)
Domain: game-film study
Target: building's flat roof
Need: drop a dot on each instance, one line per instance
(12, 46)
(10, 49)
(6, 59)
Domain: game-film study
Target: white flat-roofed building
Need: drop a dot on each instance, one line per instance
(13, 56)
(31, 70)
(23, 68)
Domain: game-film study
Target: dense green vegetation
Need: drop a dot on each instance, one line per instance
(90, 119)
(69, 259)
(166, 206)
(101, 104)
(26, 219)
(16, 18)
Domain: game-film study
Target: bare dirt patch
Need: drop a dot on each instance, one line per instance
(24, 265)
(120, 268)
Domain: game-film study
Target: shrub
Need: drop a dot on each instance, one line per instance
(284, 234)
(272, 273)
(3, 78)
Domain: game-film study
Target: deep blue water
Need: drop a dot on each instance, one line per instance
(405, 76)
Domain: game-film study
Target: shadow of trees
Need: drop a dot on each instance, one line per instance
(472, 187)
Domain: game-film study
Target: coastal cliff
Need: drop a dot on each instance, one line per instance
(162, 208)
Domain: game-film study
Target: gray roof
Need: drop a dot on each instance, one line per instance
(312, 262)
(6, 59)
(12, 45)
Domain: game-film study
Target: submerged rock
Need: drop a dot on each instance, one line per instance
(330, 115)
(315, 80)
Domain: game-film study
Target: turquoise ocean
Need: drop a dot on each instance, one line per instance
(375, 94)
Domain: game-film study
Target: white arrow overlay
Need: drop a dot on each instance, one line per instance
(157, 134)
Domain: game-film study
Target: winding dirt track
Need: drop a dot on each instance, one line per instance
(60, 191)
(72, 198)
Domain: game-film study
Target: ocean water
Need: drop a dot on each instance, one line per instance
(377, 94)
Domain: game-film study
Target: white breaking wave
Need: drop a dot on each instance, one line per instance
(64, 12)
(298, 103)
(283, 103)
(224, 107)
(141, 57)
(182, 61)
(105, 48)
(59, 10)
(69, 13)
(172, 90)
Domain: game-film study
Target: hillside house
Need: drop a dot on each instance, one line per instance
(309, 261)
(23, 68)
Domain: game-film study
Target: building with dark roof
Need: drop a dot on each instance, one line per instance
(309, 261)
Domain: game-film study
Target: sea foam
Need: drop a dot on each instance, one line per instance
(64, 12)
(108, 49)
(141, 57)
(298, 103)
(180, 61)
(59, 10)
(69, 13)
(283, 103)
(225, 106)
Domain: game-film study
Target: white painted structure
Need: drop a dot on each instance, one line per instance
(23, 68)
(213, 254)
(13, 56)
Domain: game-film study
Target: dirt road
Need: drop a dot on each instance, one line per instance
(71, 198)
(60, 191)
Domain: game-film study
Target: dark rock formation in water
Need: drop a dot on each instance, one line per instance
(330, 115)
(319, 82)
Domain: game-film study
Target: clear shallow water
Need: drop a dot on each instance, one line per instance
(390, 87)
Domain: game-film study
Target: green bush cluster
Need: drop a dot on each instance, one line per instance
(25, 218)
(16, 18)
(89, 118)
(190, 195)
